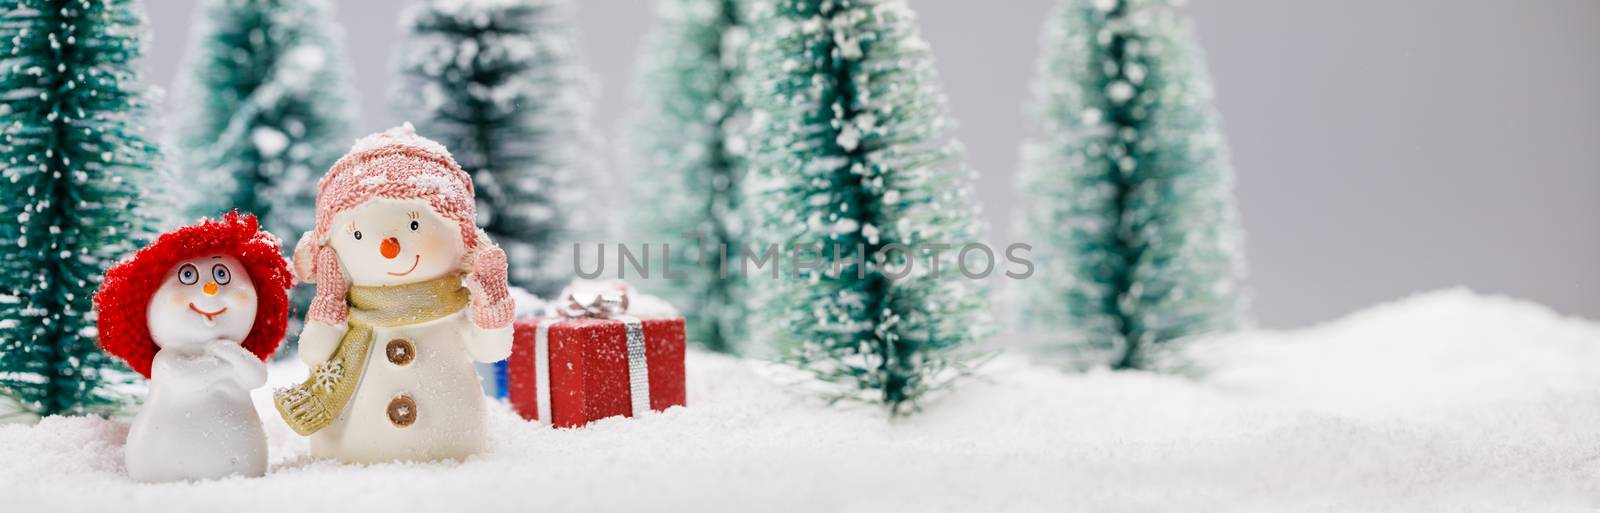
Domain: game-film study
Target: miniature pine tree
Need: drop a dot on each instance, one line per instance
(498, 82)
(73, 161)
(1130, 187)
(267, 111)
(851, 158)
(692, 147)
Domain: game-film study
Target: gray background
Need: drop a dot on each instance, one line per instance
(1382, 147)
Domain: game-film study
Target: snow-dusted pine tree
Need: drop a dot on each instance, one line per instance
(265, 110)
(692, 161)
(499, 83)
(1129, 186)
(851, 159)
(74, 163)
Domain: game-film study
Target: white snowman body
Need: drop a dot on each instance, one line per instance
(199, 422)
(419, 398)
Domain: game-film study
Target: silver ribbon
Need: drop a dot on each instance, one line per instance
(611, 304)
(541, 366)
(638, 370)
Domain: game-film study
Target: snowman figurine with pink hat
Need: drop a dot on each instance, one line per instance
(409, 295)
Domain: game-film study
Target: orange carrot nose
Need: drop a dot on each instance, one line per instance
(210, 288)
(390, 247)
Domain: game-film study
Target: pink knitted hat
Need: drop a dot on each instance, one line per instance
(399, 164)
(396, 164)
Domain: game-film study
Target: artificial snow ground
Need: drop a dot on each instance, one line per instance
(1447, 401)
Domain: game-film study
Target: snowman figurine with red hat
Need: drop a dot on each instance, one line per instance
(197, 312)
(410, 294)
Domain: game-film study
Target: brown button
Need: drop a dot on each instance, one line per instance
(400, 352)
(402, 411)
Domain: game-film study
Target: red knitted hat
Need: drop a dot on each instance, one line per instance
(124, 296)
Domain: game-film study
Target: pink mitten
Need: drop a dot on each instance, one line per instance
(329, 307)
(492, 307)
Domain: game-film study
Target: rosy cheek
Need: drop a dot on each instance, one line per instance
(432, 246)
(241, 297)
(178, 299)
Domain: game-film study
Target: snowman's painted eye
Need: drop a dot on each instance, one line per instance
(415, 225)
(358, 234)
(220, 274)
(188, 275)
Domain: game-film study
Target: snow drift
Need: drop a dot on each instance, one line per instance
(1447, 401)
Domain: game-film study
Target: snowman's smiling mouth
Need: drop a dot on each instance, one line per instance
(414, 263)
(210, 316)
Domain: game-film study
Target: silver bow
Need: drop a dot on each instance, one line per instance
(602, 304)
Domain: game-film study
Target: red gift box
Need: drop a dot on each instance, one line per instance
(591, 373)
